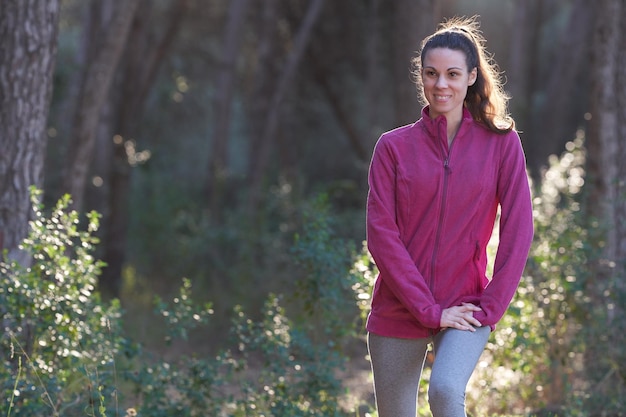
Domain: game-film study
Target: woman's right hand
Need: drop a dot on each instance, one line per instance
(460, 317)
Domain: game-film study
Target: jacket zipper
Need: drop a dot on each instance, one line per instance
(446, 167)
(446, 173)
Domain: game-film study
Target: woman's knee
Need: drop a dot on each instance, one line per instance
(445, 396)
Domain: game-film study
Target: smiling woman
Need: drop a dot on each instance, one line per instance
(434, 191)
(486, 99)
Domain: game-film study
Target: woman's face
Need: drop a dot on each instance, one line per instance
(445, 79)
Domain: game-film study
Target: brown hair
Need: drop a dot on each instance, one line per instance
(486, 99)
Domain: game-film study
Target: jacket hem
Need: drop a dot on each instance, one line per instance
(403, 329)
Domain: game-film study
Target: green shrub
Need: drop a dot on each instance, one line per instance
(273, 366)
(324, 285)
(58, 339)
(554, 351)
(64, 355)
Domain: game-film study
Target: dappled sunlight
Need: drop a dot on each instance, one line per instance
(134, 156)
(564, 175)
(533, 357)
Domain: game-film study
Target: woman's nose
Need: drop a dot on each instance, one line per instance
(441, 82)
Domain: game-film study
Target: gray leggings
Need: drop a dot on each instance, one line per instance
(397, 367)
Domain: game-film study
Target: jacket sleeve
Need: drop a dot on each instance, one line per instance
(516, 232)
(396, 267)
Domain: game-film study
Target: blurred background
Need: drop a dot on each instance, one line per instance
(209, 133)
(221, 117)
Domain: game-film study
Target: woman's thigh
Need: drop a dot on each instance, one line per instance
(397, 367)
(456, 354)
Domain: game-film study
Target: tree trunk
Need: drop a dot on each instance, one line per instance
(606, 176)
(261, 158)
(266, 72)
(141, 61)
(94, 92)
(522, 72)
(28, 29)
(413, 21)
(570, 54)
(607, 130)
(375, 62)
(565, 77)
(218, 159)
(323, 77)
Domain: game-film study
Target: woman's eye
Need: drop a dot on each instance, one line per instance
(454, 74)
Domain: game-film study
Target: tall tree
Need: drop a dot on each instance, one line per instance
(606, 174)
(323, 63)
(607, 128)
(28, 29)
(553, 91)
(413, 21)
(374, 82)
(522, 71)
(267, 137)
(98, 76)
(224, 93)
(143, 56)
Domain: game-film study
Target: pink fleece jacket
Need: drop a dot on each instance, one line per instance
(430, 214)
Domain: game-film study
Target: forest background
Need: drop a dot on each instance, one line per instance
(225, 146)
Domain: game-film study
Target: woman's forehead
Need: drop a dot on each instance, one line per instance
(445, 57)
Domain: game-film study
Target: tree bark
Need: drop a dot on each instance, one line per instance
(94, 92)
(606, 177)
(607, 149)
(28, 29)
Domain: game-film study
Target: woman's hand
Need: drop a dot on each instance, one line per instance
(460, 317)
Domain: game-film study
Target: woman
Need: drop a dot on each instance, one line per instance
(435, 187)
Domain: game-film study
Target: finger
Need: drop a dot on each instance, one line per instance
(471, 306)
(471, 320)
(466, 326)
(469, 317)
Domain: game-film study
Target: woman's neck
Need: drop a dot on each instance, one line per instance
(453, 127)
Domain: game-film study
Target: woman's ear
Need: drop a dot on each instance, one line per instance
(472, 76)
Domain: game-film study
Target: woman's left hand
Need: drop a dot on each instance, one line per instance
(460, 317)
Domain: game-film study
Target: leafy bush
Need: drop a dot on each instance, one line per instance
(324, 287)
(64, 355)
(58, 339)
(554, 351)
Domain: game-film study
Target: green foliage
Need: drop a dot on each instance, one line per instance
(324, 288)
(535, 345)
(63, 353)
(555, 350)
(364, 272)
(296, 376)
(272, 366)
(63, 356)
(56, 333)
(223, 256)
(183, 315)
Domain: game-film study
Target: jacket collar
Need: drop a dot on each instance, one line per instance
(437, 127)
